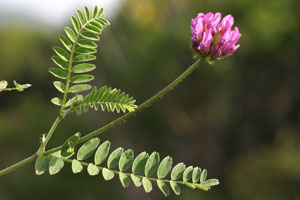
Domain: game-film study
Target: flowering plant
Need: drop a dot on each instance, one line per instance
(211, 39)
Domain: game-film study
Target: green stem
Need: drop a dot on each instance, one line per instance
(139, 108)
(45, 140)
(18, 165)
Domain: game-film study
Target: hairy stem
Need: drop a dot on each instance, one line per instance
(45, 140)
(18, 165)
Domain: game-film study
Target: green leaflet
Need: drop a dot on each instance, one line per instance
(93, 170)
(70, 33)
(211, 182)
(84, 58)
(80, 17)
(61, 53)
(90, 36)
(147, 185)
(60, 62)
(93, 29)
(55, 165)
(107, 174)
(67, 44)
(188, 173)
(58, 73)
(83, 68)
(114, 158)
(87, 149)
(79, 88)
(175, 187)
(203, 175)
(41, 165)
(60, 86)
(177, 171)
(124, 179)
(84, 50)
(163, 187)
(196, 174)
(69, 145)
(76, 166)
(56, 101)
(136, 180)
(86, 13)
(164, 167)
(87, 44)
(82, 78)
(152, 164)
(126, 160)
(75, 24)
(102, 152)
(140, 162)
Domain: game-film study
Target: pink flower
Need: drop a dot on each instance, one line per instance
(212, 37)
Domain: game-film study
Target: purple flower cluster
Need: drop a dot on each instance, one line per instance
(213, 37)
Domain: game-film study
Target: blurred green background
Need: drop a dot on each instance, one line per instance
(239, 118)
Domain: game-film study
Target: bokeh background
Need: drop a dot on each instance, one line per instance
(239, 118)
